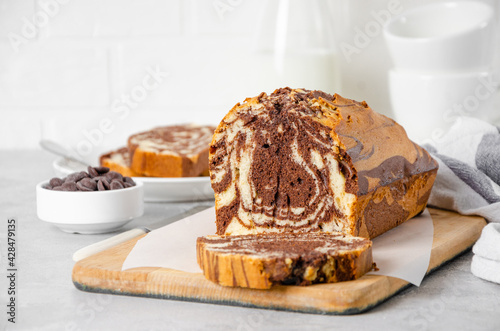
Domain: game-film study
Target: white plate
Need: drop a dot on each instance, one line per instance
(63, 167)
(156, 189)
(176, 189)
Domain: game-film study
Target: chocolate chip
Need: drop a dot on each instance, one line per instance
(83, 188)
(69, 186)
(97, 179)
(105, 182)
(100, 186)
(129, 180)
(56, 182)
(116, 184)
(101, 170)
(92, 172)
(76, 177)
(88, 183)
(113, 175)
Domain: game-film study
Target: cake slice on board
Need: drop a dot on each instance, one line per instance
(262, 260)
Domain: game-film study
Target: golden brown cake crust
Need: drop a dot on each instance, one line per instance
(262, 260)
(299, 139)
(171, 151)
(118, 161)
(377, 145)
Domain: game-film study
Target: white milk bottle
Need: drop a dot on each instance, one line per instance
(294, 46)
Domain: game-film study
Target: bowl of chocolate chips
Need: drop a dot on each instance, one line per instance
(88, 202)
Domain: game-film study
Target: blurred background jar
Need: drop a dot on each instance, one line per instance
(294, 46)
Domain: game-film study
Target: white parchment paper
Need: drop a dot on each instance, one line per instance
(403, 252)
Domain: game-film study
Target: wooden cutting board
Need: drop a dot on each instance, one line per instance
(453, 234)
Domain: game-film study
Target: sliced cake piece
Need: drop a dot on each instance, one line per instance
(118, 161)
(171, 151)
(300, 160)
(262, 260)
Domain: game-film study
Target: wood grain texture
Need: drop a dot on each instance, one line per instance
(453, 234)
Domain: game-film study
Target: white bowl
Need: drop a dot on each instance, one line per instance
(426, 105)
(443, 36)
(89, 212)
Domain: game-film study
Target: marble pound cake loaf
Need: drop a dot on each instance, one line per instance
(300, 160)
(171, 151)
(262, 260)
(118, 161)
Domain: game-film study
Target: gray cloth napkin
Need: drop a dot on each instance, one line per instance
(468, 179)
(468, 182)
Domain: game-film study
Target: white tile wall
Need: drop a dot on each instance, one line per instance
(82, 61)
(53, 74)
(226, 17)
(114, 18)
(12, 13)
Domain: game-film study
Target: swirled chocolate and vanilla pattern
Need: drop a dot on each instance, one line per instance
(275, 167)
(259, 261)
(121, 156)
(298, 160)
(119, 161)
(178, 140)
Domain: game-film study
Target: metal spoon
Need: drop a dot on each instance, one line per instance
(60, 150)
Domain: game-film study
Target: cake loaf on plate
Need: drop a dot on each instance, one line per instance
(171, 151)
(305, 161)
(118, 161)
(262, 260)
